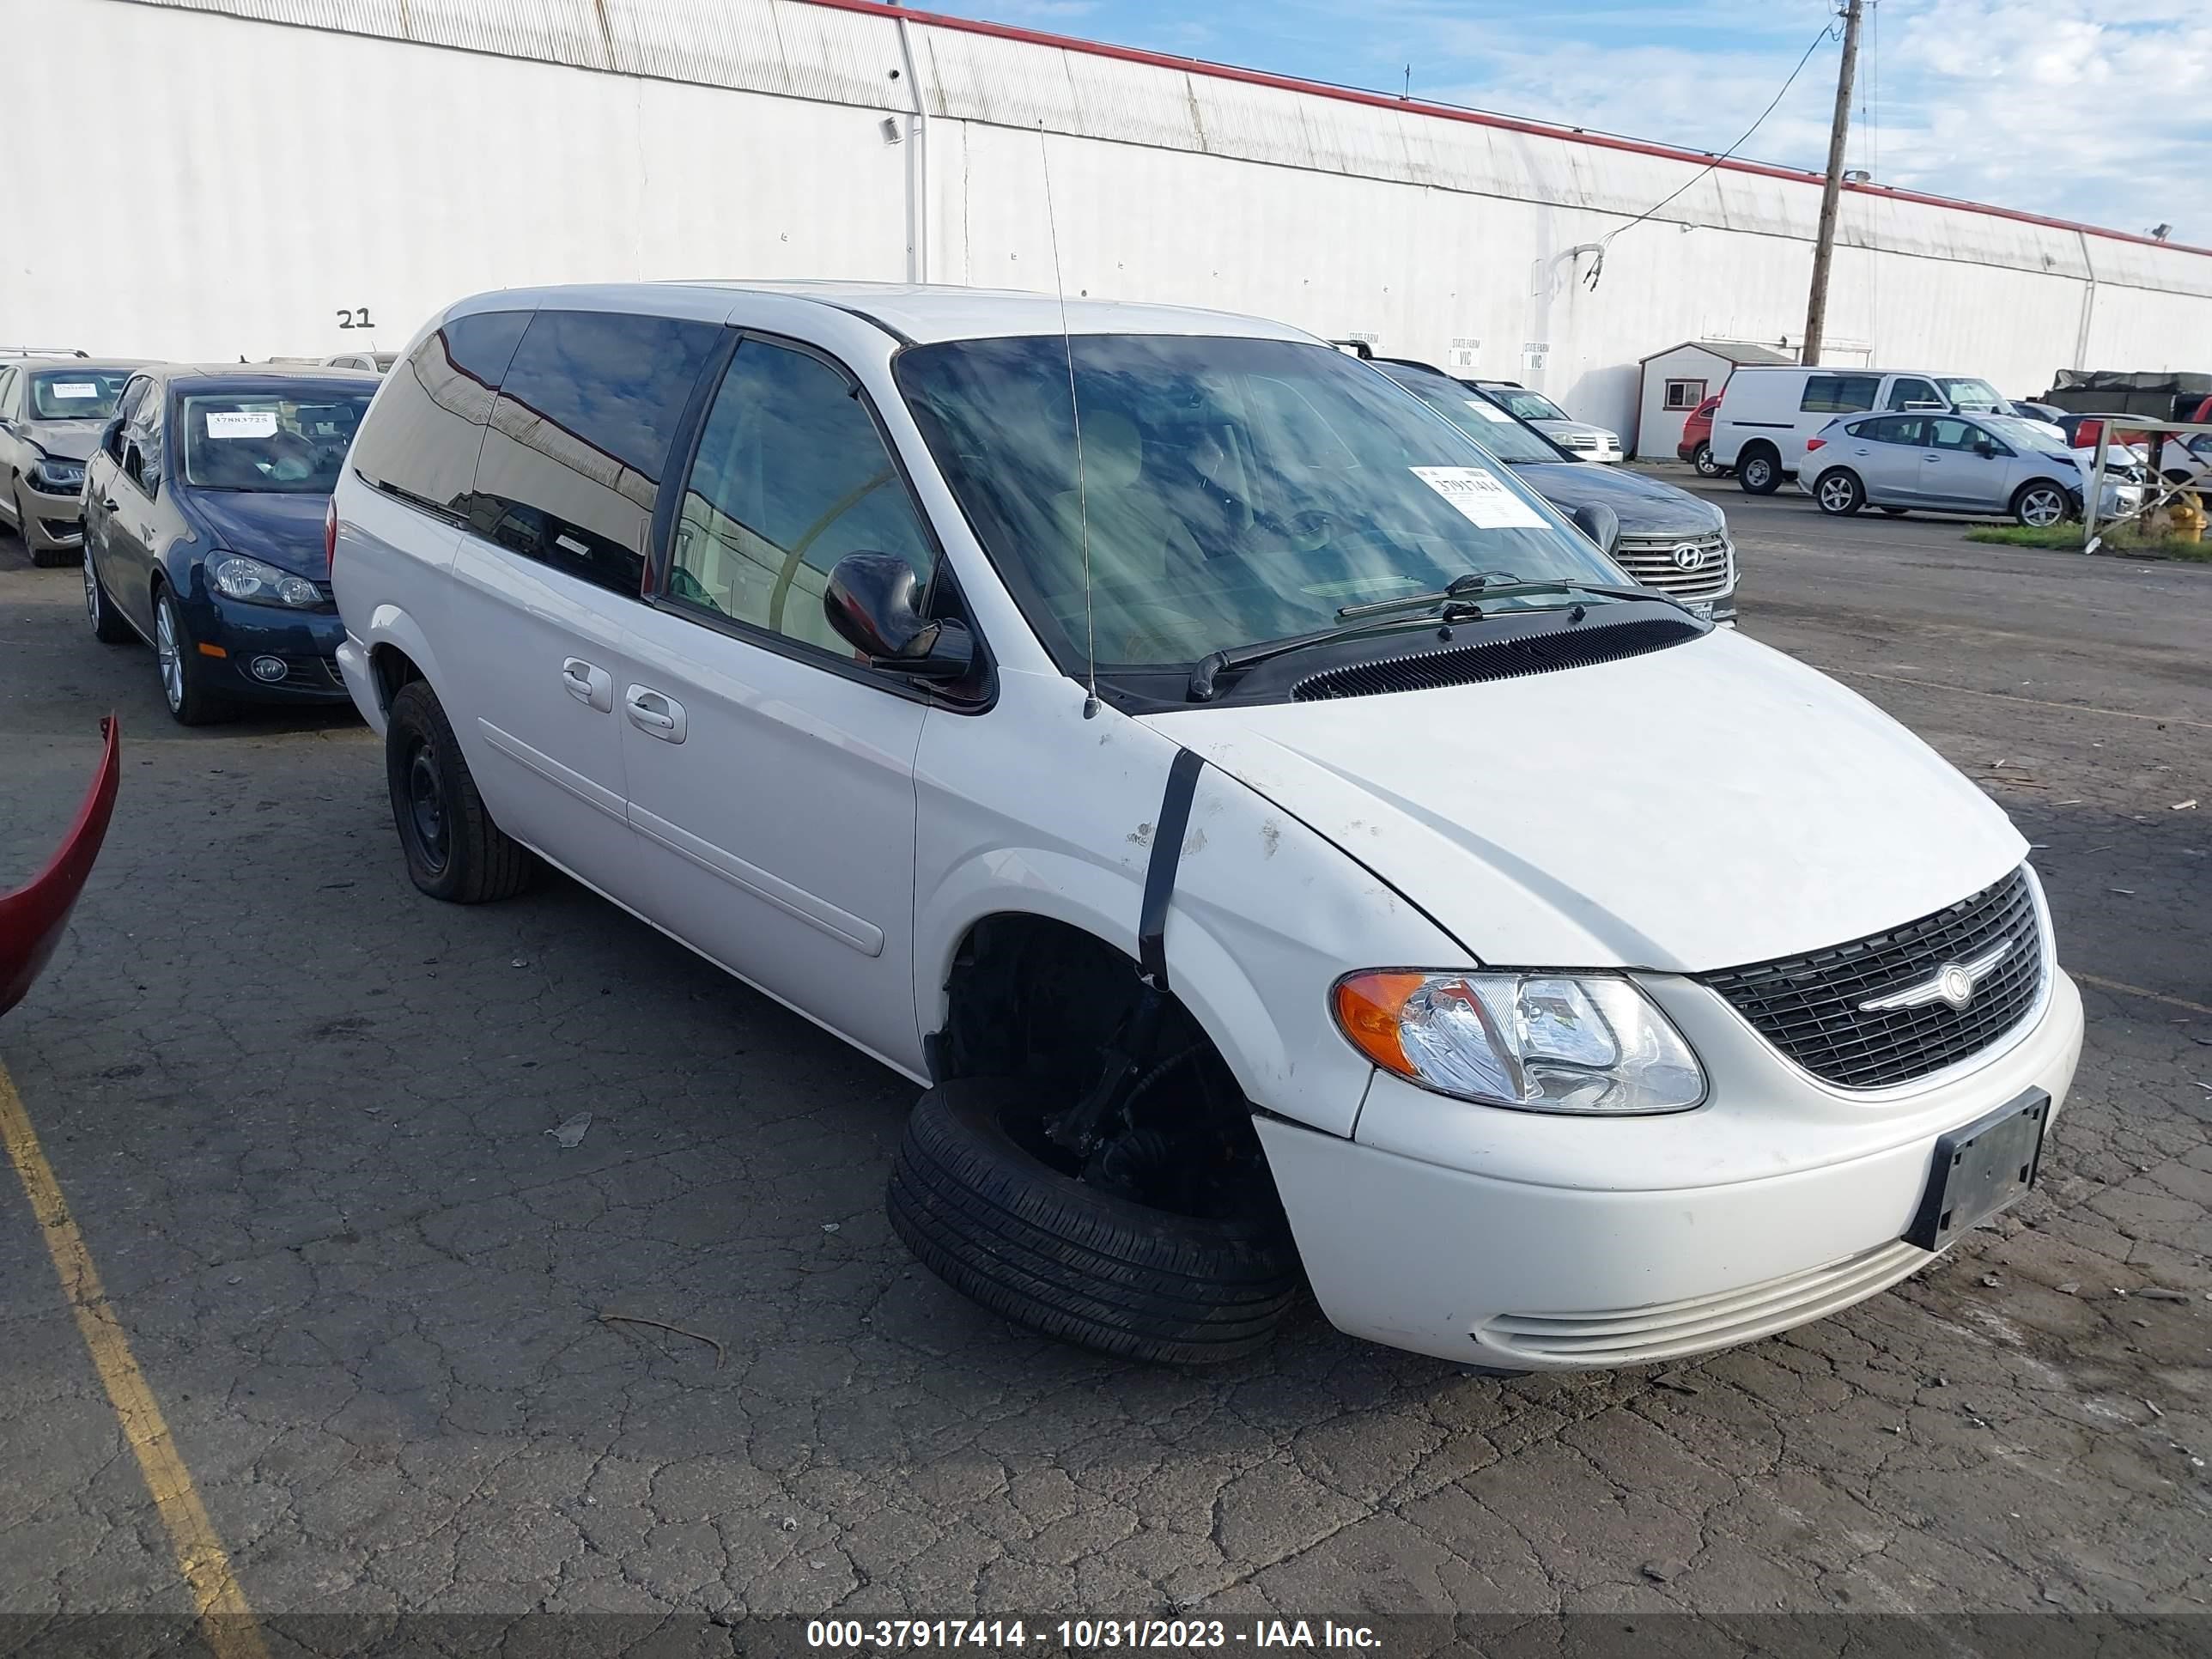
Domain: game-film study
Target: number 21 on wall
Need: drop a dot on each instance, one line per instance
(355, 317)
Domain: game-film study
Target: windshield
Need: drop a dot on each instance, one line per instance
(1970, 394)
(1480, 419)
(77, 394)
(2031, 435)
(271, 442)
(1232, 490)
(1528, 405)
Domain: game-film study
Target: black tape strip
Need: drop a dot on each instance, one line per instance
(1160, 874)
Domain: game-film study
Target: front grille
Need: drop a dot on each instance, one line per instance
(1669, 1330)
(1808, 1006)
(1651, 559)
(1495, 659)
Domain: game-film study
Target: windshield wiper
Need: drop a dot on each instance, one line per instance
(1459, 599)
(1459, 588)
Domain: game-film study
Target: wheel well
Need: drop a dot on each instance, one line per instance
(1759, 447)
(2033, 483)
(391, 668)
(1038, 999)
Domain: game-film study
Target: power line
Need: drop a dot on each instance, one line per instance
(1607, 241)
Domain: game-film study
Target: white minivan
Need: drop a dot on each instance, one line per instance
(1282, 849)
(1766, 414)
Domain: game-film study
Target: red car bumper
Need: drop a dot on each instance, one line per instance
(31, 917)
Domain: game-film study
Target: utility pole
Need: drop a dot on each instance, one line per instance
(1824, 250)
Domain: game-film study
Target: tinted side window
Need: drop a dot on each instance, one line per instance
(1905, 392)
(791, 475)
(1840, 394)
(571, 466)
(429, 423)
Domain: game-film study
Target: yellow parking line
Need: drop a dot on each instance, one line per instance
(226, 1622)
(2126, 989)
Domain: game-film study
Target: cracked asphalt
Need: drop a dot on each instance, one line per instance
(300, 1114)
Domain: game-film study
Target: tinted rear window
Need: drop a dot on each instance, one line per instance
(421, 443)
(579, 439)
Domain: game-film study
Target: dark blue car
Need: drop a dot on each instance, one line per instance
(204, 511)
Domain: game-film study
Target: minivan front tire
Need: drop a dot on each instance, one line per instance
(1048, 1251)
(1758, 470)
(454, 851)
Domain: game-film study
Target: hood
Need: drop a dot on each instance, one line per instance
(68, 440)
(1705, 806)
(1644, 506)
(284, 527)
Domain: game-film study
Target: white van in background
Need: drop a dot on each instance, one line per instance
(1766, 414)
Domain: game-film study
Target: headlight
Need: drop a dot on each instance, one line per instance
(262, 584)
(58, 477)
(1536, 1042)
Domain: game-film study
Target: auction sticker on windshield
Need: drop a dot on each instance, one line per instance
(1480, 496)
(1489, 411)
(241, 423)
(74, 389)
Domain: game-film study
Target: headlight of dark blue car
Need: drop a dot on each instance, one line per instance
(238, 577)
(58, 477)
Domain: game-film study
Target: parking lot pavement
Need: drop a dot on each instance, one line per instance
(299, 1115)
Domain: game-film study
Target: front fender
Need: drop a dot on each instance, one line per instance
(1267, 913)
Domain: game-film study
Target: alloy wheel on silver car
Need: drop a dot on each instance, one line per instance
(91, 591)
(2042, 506)
(1838, 493)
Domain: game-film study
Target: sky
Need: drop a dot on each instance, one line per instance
(2088, 110)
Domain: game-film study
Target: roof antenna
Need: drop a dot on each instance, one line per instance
(1075, 413)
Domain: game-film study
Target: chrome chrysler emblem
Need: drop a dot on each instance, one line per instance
(1689, 557)
(1954, 983)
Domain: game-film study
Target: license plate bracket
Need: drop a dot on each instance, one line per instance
(1980, 1168)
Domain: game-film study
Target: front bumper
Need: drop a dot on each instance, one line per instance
(304, 642)
(51, 523)
(1547, 1243)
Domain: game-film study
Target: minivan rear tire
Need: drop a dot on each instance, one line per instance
(1045, 1250)
(454, 851)
(1758, 470)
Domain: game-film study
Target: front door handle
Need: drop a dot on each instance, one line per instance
(656, 714)
(589, 685)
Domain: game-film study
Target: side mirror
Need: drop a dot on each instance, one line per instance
(1986, 450)
(1600, 523)
(872, 602)
(110, 438)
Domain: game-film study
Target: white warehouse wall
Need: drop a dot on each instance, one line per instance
(283, 162)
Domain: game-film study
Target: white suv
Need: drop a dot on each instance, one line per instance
(1282, 848)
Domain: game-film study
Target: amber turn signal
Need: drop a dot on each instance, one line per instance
(1368, 1007)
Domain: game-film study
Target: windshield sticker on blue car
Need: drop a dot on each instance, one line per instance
(1489, 411)
(74, 389)
(1480, 496)
(241, 423)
